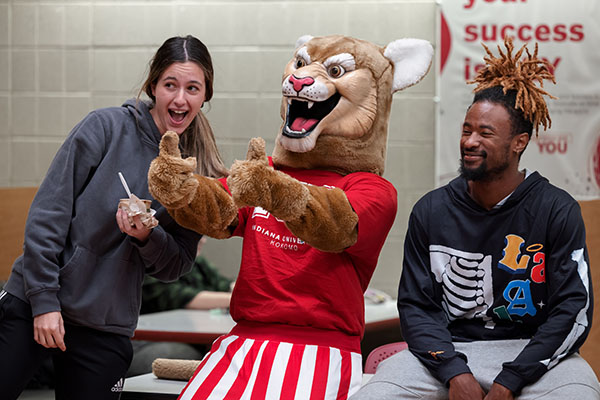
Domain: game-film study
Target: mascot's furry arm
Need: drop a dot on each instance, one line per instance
(196, 202)
(320, 216)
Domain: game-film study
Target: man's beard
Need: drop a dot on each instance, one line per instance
(473, 174)
(482, 173)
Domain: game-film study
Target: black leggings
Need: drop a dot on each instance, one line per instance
(92, 367)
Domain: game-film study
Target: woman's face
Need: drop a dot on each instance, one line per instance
(179, 94)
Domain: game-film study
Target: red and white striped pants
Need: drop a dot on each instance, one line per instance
(245, 368)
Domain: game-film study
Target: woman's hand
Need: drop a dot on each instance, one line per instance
(135, 229)
(49, 330)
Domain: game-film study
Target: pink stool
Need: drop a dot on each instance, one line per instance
(381, 353)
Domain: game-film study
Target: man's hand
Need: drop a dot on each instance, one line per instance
(465, 387)
(49, 330)
(499, 392)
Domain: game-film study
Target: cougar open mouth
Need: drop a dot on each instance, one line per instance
(303, 116)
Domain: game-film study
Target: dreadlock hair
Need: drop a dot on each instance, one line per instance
(510, 81)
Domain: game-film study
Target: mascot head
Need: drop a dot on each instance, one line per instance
(337, 95)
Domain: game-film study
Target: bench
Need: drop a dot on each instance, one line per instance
(14, 207)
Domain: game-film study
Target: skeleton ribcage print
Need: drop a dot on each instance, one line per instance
(466, 279)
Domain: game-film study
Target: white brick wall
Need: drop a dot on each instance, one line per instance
(59, 59)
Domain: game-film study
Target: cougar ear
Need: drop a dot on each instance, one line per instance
(411, 58)
(302, 40)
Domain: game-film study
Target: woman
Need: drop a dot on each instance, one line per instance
(75, 292)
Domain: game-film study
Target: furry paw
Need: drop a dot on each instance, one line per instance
(253, 182)
(248, 179)
(170, 177)
(256, 151)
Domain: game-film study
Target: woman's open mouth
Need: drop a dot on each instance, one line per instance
(177, 116)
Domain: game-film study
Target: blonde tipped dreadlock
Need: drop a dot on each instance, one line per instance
(512, 73)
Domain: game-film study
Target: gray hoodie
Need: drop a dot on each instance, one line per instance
(76, 260)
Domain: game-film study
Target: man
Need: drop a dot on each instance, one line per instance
(495, 297)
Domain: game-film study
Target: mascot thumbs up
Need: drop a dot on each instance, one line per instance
(314, 218)
(302, 207)
(196, 202)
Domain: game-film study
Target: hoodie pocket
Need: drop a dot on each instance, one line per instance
(99, 292)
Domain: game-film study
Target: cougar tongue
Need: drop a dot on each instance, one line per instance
(303, 123)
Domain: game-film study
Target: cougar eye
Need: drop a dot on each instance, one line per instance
(300, 62)
(335, 71)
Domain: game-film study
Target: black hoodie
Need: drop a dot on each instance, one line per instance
(520, 270)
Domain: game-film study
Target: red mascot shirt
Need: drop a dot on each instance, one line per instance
(283, 280)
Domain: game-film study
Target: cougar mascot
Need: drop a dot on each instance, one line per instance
(314, 218)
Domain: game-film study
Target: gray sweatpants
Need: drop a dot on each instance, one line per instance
(403, 376)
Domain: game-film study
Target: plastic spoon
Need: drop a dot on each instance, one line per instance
(125, 184)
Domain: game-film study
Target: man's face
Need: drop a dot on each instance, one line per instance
(485, 144)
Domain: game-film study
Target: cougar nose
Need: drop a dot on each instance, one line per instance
(299, 83)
